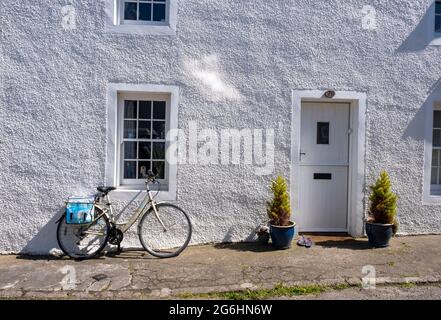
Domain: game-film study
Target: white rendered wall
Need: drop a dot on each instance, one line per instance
(236, 64)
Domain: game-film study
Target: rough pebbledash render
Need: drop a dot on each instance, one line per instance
(236, 64)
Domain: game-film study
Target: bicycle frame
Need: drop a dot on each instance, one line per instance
(142, 208)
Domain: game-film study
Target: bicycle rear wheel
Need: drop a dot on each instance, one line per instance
(83, 241)
(169, 241)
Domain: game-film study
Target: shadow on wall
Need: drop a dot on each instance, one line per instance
(46, 238)
(422, 35)
(415, 129)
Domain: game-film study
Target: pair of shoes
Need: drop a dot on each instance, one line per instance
(304, 242)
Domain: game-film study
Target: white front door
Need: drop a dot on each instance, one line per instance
(324, 163)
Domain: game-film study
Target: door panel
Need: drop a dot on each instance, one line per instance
(323, 205)
(317, 117)
(324, 162)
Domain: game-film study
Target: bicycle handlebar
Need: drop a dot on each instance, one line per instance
(149, 176)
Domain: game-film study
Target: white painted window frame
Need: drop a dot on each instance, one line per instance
(114, 22)
(130, 183)
(356, 196)
(432, 103)
(112, 172)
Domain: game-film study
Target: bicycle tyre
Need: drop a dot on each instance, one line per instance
(166, 212)
(62, 223)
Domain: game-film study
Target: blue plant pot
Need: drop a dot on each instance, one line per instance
(379, 234)
(281, 237)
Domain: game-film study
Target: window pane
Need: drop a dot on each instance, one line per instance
(322, 132)
(437, 138)
(438, 23)
(434, 176)
(438, 7)
(145, 11)
(130, 129)
(130, 150)
(159, 110)
(158, 150)
(144, 166)
(158, 169)
(158, 130)
(437, 119)
(145, 109)
(129, 169)
(159, 12)
(130, 11)
(130, 109)
(145, 150)
(435, 158)
(144, 130)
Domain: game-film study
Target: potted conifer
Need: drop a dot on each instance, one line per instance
(381, 223)
(282, 229)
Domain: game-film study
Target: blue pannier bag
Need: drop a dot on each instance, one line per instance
(80, 210)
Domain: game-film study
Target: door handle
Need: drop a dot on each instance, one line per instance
(302, 154)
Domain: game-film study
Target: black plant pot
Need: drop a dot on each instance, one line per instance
(379, 234)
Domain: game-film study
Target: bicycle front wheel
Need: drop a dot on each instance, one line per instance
(167, 234)
(83, 241)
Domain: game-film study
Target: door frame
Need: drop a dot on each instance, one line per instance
(356, 171)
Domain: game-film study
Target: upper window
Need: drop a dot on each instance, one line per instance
(144, 11)
(143, 123)
(153, 17)
(438, 16)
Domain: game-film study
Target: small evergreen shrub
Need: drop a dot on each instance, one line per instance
(383, 202)
(279, 208)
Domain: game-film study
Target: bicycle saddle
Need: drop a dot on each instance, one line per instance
(105, 190)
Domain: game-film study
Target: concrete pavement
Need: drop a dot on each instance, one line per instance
(225, 267)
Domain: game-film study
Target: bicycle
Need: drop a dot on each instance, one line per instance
(164, 229)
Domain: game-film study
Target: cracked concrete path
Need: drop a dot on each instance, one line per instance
(226, 267)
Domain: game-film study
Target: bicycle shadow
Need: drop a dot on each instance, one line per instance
(44, 246)
(44, 242)
(130, 253)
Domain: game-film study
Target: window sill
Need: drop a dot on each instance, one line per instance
(129, 193)
(432, 199)
(141, 29)
(436, 41)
